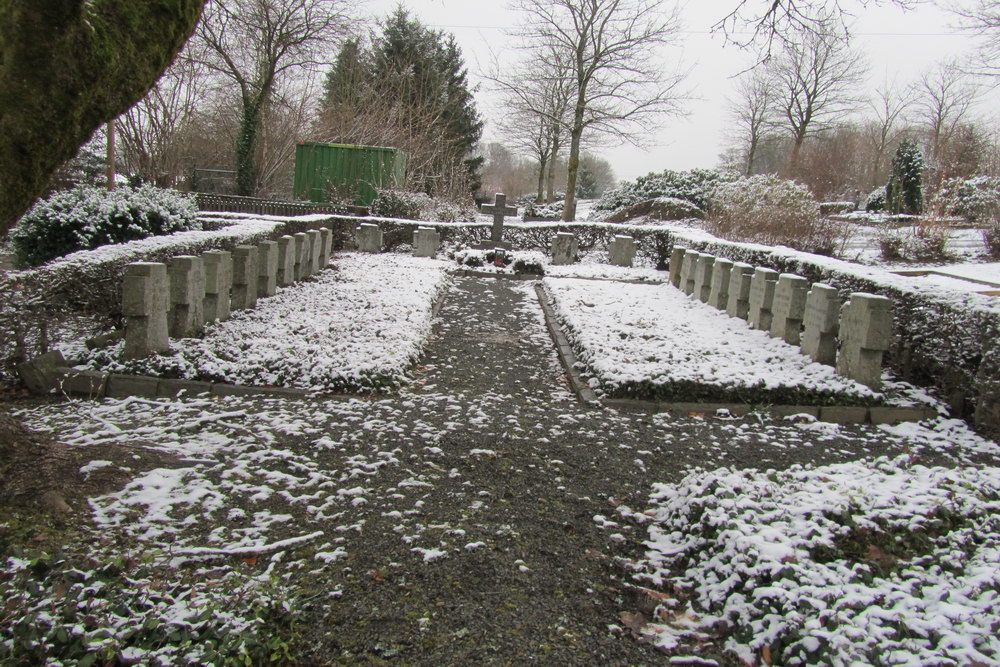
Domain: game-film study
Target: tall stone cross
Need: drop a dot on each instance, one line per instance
(500, 210)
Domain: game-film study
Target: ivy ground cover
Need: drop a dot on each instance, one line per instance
(654, 342)
(355, 328)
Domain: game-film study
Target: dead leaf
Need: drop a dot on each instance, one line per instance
(634, 622)
(765, 655)
(377, 576)
(250, 560)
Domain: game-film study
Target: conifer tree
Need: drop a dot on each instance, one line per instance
(904, 192)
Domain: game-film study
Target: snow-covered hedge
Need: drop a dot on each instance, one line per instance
(535, 211)
(87, 217)
(976, 199)
(419, 206)
(858, 563)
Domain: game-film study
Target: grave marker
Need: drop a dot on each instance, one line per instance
(740, 279)
(315, 250)
(703, 277)
(425, 242)
(267, 268)
(218, 281)
(186, 315)
(300, 252)
(621, 250)
(326, 247)
(244, 277)
(369, 238)
(676, 262)
(718, 293)
(286, 261)
(865, 334)
(761, 298)
(564, 248)
(688, 270)
(819, 337)
(788, 309)
(500, 210)
(145, 293)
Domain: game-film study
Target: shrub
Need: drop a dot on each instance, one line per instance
(991, 237)
(661, 208)
(876, 200)
(904, 191)
(400, 204)
(86, 217)
(772, 211)
(976, 199)
(553, 211)
(925, 242)
(695, 186)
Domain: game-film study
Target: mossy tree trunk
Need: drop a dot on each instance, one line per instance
(67, 67)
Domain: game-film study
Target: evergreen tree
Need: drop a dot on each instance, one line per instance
(408, 89)
(586, 184)
(904, 192)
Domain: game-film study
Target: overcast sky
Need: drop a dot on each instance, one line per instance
(899, 45)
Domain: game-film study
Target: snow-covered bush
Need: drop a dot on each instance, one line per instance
(879, 562)
(926, 241)
(535, 211)
(991, 237)
(420, 206)
(695, 186)
(767, 209)
(87, 217)
(661, 208)
(875, 203)
(976, 199)
(904, 192)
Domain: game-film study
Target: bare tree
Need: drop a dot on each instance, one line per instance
(946, 96)
(151, 134)
(885, 125)
(782, 21)
(752, 111)
(607, 50)
(982, 18)
(254, 44)
(817, 80)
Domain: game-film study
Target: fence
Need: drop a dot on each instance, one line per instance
(237, 204)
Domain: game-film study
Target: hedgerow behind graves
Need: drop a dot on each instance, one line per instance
(87, 217)
(695, 186)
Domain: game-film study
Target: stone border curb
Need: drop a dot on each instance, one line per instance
(837, 414)
(565, 350)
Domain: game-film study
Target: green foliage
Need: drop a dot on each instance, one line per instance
(400, 204)
(586, 183)
(86, 217)
(67, 67)
(904, 192)
(991, 238)
(695, 186)
(876, 200)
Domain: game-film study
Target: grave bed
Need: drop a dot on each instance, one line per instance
(355, 329)
(653, 343)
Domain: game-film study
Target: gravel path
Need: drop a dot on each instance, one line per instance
(470, 519)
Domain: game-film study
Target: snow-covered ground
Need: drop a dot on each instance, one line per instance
(355, 328)
(654, 341)
(882, 562)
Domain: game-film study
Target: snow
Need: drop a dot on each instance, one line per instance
(632, 335)
(835, 564)
(356, 328)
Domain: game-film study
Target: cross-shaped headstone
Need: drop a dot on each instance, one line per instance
(500, 210)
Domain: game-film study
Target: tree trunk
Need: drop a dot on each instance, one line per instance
(572, 169)
(551, 180)
(246, 149)
(751, 153)
(793, 163)
(540, 197)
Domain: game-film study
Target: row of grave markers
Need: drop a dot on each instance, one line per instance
(176, 299)
(852, 337)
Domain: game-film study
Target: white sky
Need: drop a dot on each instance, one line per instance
(899, 44)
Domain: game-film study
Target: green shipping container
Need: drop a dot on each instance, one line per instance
(326, 171)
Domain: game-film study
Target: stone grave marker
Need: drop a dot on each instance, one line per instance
(369, 238)
(500, 210)
(718, 293)
(326, 247)
(286, 261)
(676, 262)
(300, 251)
(740, 278)
(703, 277)
(425, 242)
(267, 268)
(244, 277)
(865, 334)
(789, 307)
(564, 248)
(218, 282)
(821, 323)
(145, 294)
(315, 250)
(761, 298)
(688, 270)
(186, 314)
(621, 250)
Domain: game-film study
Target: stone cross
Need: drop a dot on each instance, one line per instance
(300, 267)
(315, 250)
(865, 334)
(718, 296)
(688, 269)
(819, 337)
(703, 277)
(267, 268)
(676, 262)
(500, 210)
(740, 278)
(218, 283)
(788, 309)
(286, 260)
(326, 246)
(186, 315)
(244, 293)
(761, 298)
(145, 294)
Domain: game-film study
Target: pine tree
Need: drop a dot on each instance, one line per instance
(904, 192)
